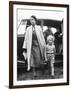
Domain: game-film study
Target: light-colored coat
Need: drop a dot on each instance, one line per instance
(28, 41)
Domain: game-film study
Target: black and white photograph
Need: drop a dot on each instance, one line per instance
(39, 37)
(39, 44)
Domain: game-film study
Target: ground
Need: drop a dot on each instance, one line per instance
(40, 74)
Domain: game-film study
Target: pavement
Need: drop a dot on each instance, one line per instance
(40, 74)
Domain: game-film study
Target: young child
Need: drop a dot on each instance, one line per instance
(50, 52)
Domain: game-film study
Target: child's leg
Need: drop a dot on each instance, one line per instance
(52, 64)
(52, 69)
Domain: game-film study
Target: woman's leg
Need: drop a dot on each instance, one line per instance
(33, 61)
(34, 71)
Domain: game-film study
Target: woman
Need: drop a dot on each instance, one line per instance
(34, 43)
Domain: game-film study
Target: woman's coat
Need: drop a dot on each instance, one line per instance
(28, 41)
